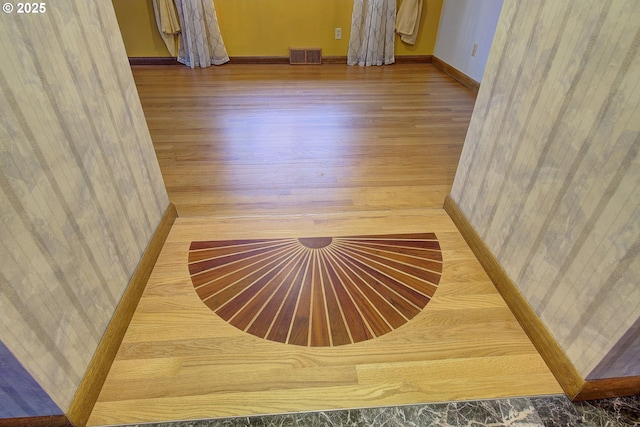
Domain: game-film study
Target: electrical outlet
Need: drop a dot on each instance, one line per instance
(338, 33)
(475, 49)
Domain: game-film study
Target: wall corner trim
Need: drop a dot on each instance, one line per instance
(571, 381)
(609, 387)
(46, 421)
(168, 60)
(95, 375)
(153, 60)
(456, 74)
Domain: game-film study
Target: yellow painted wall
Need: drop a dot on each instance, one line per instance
(138, 28)
(269, 27)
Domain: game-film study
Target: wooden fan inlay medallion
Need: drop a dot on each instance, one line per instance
(317, 291)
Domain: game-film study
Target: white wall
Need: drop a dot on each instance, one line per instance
(463, 23)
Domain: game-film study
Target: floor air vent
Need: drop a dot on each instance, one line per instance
(305, 55)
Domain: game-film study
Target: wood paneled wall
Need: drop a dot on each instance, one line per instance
(550, 172)
(80, 188)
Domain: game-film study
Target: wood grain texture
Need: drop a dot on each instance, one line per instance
(178, 361)
(317, 291)
(93, 379)
(276, 139)
(49, 421)
(610, 387)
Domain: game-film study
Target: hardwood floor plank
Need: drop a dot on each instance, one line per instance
(315, 398)
(420, 373)
(199, 379)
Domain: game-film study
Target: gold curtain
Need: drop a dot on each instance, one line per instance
(408, 20)
(168, 23)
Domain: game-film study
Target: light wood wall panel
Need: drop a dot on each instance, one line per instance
(80, 188)
(550, 173)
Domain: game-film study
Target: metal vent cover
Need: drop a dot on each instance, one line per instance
(305, 55)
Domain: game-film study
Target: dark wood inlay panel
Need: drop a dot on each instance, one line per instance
(315, 242)
(317, 291)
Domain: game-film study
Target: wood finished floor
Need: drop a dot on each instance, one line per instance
(280, 139)
(278, 152)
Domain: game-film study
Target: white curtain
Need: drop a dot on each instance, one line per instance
(372, 32)
(198, 35)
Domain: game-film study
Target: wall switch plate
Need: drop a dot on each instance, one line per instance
(475, 49)
(338, 33)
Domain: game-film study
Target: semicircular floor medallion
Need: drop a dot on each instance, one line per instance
(318, 291)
